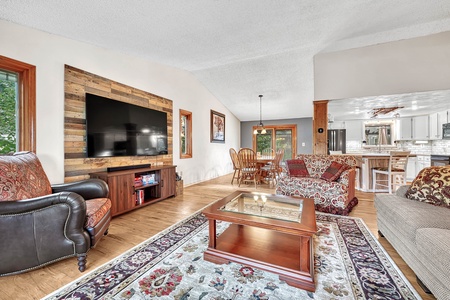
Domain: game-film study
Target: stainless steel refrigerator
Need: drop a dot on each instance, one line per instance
(336, 140)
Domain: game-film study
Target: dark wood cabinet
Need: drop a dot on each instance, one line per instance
(127, 193)
(168, 184)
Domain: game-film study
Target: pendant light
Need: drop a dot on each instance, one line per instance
(260, 127)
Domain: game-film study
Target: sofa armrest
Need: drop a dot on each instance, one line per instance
(347, 177)
(88, 189)
(401, 191)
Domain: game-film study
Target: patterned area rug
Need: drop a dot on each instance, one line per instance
(349, 264)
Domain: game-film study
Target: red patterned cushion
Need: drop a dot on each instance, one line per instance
(297, 168)
(333, 172)
(432, 185)
(22, 177)
(96, 209)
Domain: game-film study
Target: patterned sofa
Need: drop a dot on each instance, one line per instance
(330, 196)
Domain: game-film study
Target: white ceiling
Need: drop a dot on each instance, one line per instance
(237, 49)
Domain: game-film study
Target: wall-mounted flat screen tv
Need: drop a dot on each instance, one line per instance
(116, 128)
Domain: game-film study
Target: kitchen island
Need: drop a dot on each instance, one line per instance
(368, 161)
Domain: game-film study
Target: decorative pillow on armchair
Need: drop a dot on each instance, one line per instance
(432, 185)
(297, 168)
(333, 172)
(22, 177)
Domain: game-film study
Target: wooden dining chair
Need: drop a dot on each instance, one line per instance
(266, 153)
(236, 165)
(249, 166)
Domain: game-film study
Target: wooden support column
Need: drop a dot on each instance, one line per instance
(320, 126)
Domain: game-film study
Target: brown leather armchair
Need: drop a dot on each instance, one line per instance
(41, 223)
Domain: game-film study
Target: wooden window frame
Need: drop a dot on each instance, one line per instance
(292, 127)
(26, 101)
(188, 137)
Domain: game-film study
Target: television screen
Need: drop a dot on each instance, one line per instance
(116, 128)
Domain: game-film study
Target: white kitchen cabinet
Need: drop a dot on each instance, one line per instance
(411, 169)
(442, 119)
(354, 130)
(405, 129)
(423, 161)
(420, 128)
(435, 122)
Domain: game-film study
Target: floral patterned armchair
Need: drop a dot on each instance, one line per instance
(40, 223)
(332, 194)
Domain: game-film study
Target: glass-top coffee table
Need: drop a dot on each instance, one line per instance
(269, 232)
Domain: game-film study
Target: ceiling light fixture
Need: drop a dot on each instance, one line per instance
(383, 110)
(260, 127)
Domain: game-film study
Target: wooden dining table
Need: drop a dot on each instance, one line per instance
(265, 159)
(262, 161)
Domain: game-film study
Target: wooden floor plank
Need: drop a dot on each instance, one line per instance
(131, 229)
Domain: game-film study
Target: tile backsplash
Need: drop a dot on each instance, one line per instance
(432, 147)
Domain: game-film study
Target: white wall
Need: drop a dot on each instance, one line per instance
(49, 53)
(412, 65)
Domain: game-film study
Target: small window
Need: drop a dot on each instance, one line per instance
(185, 134)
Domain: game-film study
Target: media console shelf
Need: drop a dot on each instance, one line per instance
(127, 195)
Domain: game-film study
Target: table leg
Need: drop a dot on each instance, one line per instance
(306, 255)
(212, 234)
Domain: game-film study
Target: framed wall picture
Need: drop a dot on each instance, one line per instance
(217, 127)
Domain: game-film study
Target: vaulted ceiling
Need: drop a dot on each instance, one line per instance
(237, 49)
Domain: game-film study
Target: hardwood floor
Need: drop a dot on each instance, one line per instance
(132, 228)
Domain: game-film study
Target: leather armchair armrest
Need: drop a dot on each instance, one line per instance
(75, 217)
(88, 189)
(76, 203)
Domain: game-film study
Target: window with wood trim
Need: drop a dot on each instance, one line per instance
(185, 134)
(277, 137)
(26, 102)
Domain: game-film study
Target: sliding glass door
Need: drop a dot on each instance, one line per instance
(277, 137)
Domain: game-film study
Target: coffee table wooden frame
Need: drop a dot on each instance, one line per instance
(281, 247)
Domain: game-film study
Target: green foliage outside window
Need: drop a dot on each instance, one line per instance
(7, 116)
(264, 141)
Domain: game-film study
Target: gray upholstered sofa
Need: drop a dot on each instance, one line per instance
(420, 233)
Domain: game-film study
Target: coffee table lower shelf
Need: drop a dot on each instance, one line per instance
(286, 255)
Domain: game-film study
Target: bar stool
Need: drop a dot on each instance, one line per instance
(395, 172)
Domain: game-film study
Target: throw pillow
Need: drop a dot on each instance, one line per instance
(297, 168)
(333, 172)
(432, 185)
(22, 177)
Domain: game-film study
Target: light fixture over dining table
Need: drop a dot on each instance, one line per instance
(260, 127)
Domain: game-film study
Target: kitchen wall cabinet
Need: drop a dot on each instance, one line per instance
(420, 128)
(436, 121)
(405, 129)
(354, 130)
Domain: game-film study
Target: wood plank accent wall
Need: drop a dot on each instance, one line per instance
(76, 84)
(320, 120)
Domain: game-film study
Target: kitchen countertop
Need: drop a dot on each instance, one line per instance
(365, 155)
